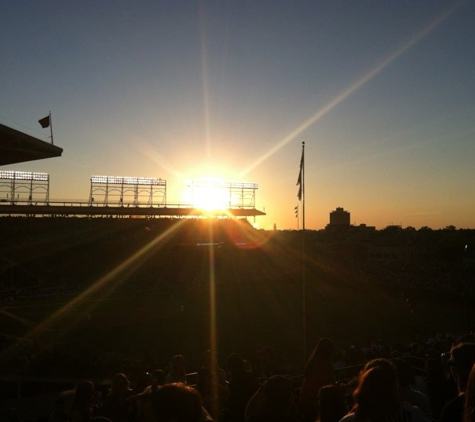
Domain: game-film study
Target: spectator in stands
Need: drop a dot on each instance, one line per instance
(242, 385)
(273, 402)
(210, 391)
(406, 377)
(350, 388)
(211, 384)
(331, 403)
(462, 358)
(157, 379)
(141, 403)
(59, 413)
(210, 361)
(318, 372)
(82, 407)
(116, 406)
(178, 402)
(469, 409)
(143, 380)
(377, 397)
(439, 390)
(267, 365)
(177, 372)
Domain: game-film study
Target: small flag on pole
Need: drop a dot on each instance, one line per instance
(45, 122)
(299, 180)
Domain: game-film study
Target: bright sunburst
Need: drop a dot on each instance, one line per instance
(208, 194)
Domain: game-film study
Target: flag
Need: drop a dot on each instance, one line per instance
(44, 122)
(299, 180)
(299, 193)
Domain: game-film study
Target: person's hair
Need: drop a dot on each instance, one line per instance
(469, 409)
(83, 396)
(376, 396)
(178, 360)
(177, 402)
(120, 384)
(382, 363)
(158, 376)
(462, 357)
(84, 391)
(209, 359)
(177, 367)
(235, 364)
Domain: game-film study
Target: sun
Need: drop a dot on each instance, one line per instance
(209, 194)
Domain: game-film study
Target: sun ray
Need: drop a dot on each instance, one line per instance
(205, 84)
(24, 321)
(151, 153)
(343, 95)
(104, 281)
(213, 330)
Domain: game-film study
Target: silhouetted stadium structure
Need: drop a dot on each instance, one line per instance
(27, 193)
(18, 147)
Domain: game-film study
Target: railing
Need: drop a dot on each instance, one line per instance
(82, 203)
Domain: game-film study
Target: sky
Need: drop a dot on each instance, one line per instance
(382, 92)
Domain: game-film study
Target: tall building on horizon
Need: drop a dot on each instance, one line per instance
(339, 217)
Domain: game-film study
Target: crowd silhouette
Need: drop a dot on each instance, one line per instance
(433, 380)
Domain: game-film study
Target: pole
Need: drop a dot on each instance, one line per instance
(51, 127)
(304, 284)
(303, 186)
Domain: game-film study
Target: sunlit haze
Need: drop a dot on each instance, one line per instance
(381, 92)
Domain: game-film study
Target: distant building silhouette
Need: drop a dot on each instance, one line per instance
(339, 217)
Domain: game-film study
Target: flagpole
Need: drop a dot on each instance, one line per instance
(303, 186)
(51, 127)
(301, 197)
(304, 284)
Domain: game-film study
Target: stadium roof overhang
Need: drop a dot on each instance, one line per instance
(18, 147)
(64, 209)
